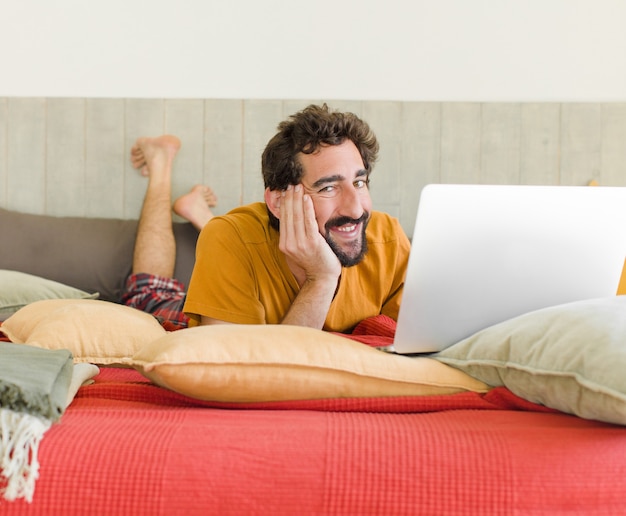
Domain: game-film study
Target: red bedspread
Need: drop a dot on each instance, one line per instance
(125, 446)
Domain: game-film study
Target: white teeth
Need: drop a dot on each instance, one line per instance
(347, 229)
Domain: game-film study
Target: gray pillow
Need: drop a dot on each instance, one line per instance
(569, 357)
(18, 289)
(90, 254)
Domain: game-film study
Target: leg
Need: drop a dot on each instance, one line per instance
(151, 287)
(155, 246)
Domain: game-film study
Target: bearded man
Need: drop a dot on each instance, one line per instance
(314, 253)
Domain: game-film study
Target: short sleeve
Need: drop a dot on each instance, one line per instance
(223, 284)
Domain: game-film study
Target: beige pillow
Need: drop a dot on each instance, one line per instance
(99, 332)
(253, 363)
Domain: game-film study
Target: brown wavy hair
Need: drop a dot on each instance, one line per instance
(305, 132)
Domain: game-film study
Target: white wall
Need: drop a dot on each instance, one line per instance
(443, 50)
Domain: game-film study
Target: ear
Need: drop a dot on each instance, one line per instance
(272, 199)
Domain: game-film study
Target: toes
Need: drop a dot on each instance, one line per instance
(137, 163)
(211, 199)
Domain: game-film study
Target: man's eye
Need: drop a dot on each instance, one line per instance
(327, 189)
(361, 183)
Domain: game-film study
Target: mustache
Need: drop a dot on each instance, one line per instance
(341, 221)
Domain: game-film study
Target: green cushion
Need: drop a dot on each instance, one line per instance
(570, 357)
(17, 289)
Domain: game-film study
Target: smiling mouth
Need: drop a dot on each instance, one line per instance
(346, 229)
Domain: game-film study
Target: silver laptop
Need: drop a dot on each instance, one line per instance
(482, 254)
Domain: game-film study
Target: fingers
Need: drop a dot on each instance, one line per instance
(310, 222)
(288, 220)
(297, 219)
(297, 210)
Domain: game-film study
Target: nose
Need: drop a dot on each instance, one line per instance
(352, 202)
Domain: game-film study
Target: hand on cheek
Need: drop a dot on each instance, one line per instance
(300, 238)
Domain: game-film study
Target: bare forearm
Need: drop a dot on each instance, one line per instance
(310, 307)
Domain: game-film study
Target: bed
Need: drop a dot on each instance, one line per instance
(281, 420)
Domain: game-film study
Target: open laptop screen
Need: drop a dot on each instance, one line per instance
(482, 254)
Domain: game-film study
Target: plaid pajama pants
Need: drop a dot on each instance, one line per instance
(159, 296)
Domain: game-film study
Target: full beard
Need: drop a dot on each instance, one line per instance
(357, 249)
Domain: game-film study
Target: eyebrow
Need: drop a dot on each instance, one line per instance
(337, 177)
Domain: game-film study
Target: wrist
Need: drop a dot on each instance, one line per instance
(323, 278)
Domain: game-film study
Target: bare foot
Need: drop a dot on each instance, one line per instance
(152, 154)
(195, 205)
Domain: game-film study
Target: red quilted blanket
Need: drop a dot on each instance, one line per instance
(125, 446)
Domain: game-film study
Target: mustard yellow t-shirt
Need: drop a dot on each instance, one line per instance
(240, 275)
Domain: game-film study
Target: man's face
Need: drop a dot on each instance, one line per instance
(335, 178)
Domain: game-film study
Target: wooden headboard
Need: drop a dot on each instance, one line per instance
(69, 156)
